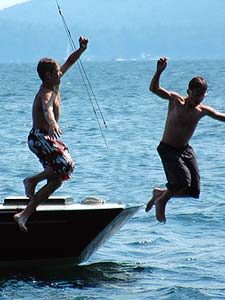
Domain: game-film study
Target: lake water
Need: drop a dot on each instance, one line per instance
(182, 259)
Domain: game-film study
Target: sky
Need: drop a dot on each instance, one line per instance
(117, 29)
(8, 3)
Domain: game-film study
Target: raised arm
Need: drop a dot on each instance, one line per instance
(154, 84)
(75, 55)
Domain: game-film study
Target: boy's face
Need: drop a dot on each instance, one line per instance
(197, 89)
(56, 75)
(196, 96)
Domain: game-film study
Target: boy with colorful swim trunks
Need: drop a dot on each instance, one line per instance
(177, 156)
(43, 139)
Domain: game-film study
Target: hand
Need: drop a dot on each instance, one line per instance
(162, 64)
(54, 131)
(83, 42)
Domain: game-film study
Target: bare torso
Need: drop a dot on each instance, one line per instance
(39, 120)
(181, 122)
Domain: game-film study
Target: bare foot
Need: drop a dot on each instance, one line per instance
(29, 186)
(160, 207)
(21, 222)
(155, 194)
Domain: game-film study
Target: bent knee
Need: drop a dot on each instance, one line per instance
(185, 189)
(64, 173)
(194, 193)
(57, 180)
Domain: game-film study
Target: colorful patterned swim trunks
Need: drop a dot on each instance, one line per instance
(51, 152)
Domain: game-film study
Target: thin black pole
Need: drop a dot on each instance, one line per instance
(85, 78)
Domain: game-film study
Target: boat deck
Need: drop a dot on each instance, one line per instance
(57, 203)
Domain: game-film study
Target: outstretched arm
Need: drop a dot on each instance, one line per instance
(211, 112)
(154, 84)
(74, 56)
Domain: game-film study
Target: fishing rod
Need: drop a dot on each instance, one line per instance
(84, 76)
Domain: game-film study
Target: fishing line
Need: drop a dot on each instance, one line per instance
(85, 78)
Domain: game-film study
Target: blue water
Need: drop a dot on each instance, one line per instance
(182, 259)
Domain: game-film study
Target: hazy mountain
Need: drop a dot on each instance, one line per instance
(116, 29)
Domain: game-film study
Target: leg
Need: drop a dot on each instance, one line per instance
(160, 205)
(159, 199)
(161, 202)
(178, 176)
(155, 194)
(55, 155)
(52, 185)
(31, 182)
(191, 161)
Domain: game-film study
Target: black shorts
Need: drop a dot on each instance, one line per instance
(181, 169)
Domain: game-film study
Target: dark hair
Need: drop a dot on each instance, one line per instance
(46, 65)
(198, 85)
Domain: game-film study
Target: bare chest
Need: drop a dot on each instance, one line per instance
(182, 116)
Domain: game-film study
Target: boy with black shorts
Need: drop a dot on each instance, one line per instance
(177, 156)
